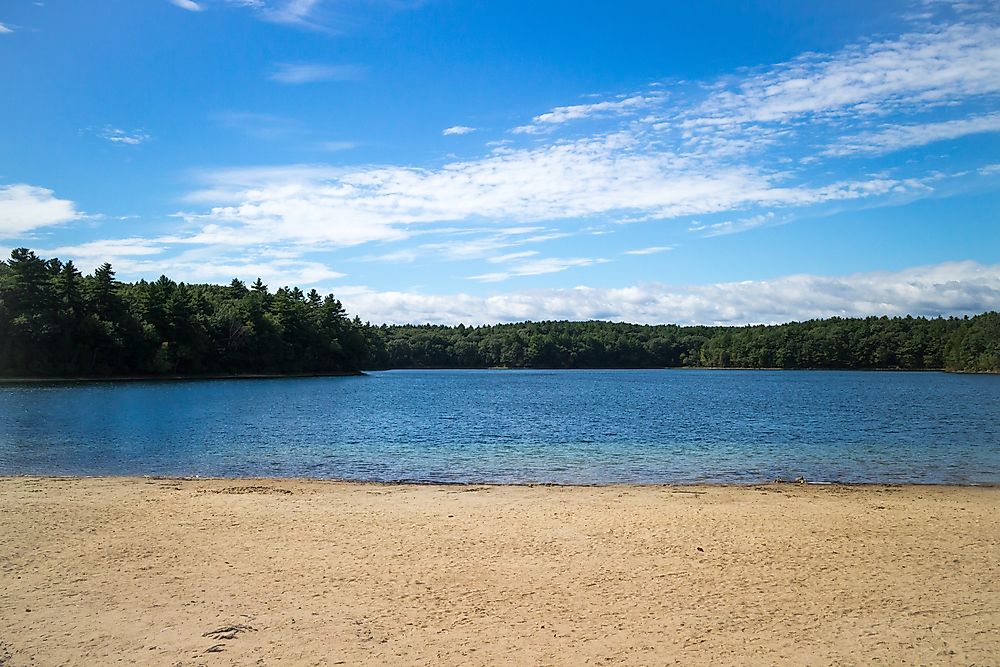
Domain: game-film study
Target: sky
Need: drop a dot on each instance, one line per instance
(451, 161)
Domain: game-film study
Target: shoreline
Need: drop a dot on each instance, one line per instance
(233, 571)
(342, 481)
(280, 376)
(174, 378)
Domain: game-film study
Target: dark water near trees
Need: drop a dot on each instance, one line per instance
(518, 426)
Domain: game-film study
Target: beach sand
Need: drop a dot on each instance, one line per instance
(140, 571)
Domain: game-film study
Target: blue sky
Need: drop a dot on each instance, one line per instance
(453, 161)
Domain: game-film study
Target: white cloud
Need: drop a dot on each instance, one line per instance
(484, 246)
(295, 73)
(5, 30)
(105, 250)
(560, 115)
(135, 258)
(511, 256)
(26, 207)
(335, 146)
(536, 267)
(189, 5)
(395, 257)
(652, 250)
(897, 137)
(911, 71)
(292, 11)
(123, 137)
(605, 175)
(457, 129)
(319, 15)
(944, 289)
(275, 273)
(734, 226)
(265, 126)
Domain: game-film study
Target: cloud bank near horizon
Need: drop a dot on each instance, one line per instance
(948, 289)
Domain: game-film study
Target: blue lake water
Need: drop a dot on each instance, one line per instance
(517, 426)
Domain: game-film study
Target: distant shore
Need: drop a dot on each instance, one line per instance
(278, 376)
(174, 378)
(235, 571)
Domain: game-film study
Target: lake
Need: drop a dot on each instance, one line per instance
(517, 426)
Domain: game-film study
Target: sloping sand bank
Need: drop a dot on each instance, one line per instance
(137, 571)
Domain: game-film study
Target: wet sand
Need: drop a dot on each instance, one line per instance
(142, 571)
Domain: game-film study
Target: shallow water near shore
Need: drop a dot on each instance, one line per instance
(518, 426)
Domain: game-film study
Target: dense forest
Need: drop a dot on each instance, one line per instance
(56, 322)
(960, 344)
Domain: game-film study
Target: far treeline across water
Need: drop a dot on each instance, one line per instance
(56, 322)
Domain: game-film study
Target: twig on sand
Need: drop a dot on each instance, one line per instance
(229, 631)
(254, 488)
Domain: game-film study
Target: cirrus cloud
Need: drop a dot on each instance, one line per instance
(608, 175)
(457, 130)
(295, 73)
(189, 5)
(908, 72)
(743, 145)
(898, 137)
(121, 137)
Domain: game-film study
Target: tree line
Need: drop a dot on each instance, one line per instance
(56, 322)
(908, 343)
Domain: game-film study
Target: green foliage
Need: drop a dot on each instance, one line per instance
(969, 344)
(56, 323)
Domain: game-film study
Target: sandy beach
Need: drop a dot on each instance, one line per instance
(244, 572)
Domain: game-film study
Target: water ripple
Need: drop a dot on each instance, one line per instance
(518, 427)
